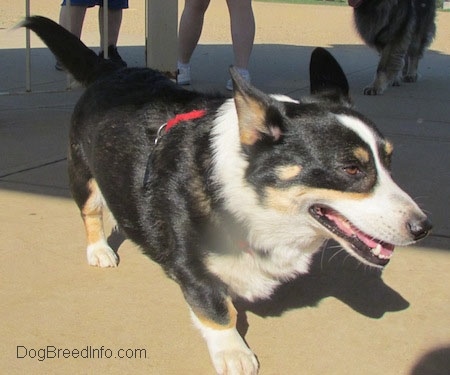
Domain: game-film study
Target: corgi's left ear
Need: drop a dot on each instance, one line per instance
(259, 115)
(327, 79)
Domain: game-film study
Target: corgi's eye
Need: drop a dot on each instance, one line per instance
(352, 170)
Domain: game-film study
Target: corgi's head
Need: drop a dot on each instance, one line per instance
(299, 172)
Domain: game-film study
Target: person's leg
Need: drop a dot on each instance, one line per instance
(72, 19)
(190, 29)
(242, 31)
(114, 23)
(115, 11)
(242, 35)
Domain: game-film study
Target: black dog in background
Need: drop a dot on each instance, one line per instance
(399, 30)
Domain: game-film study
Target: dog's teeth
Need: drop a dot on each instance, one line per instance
(377, 251)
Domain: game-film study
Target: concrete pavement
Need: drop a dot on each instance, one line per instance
(342, 319)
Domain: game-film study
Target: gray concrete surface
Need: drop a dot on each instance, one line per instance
(342, 319)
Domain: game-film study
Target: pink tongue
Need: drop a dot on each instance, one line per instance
(368, 241)
(347, 229)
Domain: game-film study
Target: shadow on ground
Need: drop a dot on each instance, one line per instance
(335, 274)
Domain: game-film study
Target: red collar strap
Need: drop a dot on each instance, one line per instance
(193, 115)
(188, 116)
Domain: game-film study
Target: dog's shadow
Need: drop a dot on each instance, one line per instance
(115, 239)
(335, 274)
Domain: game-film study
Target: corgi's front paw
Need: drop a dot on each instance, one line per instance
(99, 254)
(235, 362)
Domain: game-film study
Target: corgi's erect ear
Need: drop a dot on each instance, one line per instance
(327, 79)
(259, 115)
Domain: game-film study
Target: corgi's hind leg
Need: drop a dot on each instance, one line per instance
(90, 201)
(99, 253)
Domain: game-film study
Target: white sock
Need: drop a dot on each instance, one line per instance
(181, 65)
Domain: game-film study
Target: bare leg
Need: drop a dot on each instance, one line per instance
(114, 23)
(72, 19)
(242, 31)
(190, 29)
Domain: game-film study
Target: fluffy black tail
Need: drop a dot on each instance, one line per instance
(72, 53)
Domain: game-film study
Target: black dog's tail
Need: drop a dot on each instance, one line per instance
(71, 52)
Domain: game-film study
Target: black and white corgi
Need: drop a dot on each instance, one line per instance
(231, 196)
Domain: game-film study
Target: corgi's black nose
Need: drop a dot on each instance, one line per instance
(419, 228)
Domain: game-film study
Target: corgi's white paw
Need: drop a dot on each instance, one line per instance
(99, 254)
(235, 362)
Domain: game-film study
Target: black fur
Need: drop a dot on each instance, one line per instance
(112, 139)
(171, 198)
(400, 30)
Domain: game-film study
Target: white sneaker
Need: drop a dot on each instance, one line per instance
(244, 74)
(184, 75)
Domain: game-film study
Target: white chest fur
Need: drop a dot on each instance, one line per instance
(253, 275)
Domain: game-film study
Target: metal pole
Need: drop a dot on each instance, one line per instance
(27, 51)
(147, 34)
(69, 14)
(105, 28)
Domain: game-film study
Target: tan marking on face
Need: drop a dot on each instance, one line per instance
(288, 200)
(285, 200)
(362, 154)
(289, 172)
(388, 148)
(232, 316)
(92, 214)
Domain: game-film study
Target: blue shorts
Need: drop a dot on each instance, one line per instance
(112, 4)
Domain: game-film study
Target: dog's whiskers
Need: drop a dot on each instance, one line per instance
(324, 247)
(336, 253)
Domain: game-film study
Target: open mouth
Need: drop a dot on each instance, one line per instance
(372, 250)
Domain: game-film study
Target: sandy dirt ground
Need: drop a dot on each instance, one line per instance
(275, 23)
(60, 316)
